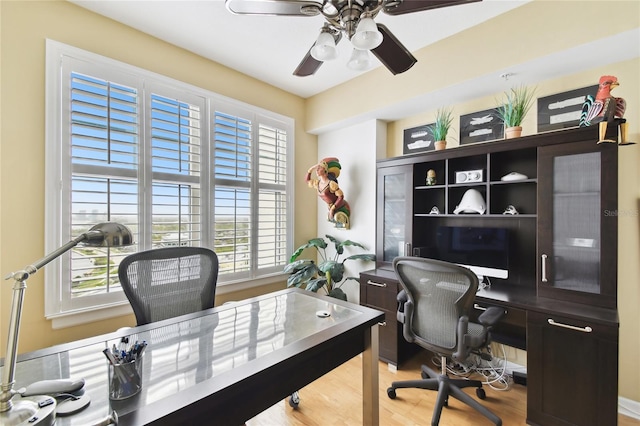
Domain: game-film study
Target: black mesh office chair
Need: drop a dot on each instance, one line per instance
(434, 308)
(168, 282)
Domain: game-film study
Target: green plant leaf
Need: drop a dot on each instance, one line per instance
(338, 294)
(338, 245)
(444, 119)
(297, 265)
(335, 269)
(515, 105)
(318, 243)
(364, 256)
(316, 284)
(302, 276)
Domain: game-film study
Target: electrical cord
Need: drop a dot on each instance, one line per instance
(491, 375)
(484, 283)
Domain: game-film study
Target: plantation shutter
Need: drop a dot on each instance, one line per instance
(272, 201)
(104, 136)
(232, 169)
(176, 141)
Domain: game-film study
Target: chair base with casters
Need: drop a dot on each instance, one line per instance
(446, 386)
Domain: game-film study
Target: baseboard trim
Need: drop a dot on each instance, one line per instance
(629, 407)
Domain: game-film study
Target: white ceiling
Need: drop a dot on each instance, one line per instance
(269, 48)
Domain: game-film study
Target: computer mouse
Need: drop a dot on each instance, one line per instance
(513, 176)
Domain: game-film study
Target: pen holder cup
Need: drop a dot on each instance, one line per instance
(125, 379)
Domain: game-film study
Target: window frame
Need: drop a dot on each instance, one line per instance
(58, 302)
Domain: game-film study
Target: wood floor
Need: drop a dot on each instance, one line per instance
(336, 399)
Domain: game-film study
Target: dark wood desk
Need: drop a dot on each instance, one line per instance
(223, 365)
(572, 348)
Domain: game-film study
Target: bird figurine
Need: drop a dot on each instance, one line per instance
(605, 109)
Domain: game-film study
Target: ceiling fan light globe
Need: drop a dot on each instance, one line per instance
(325, 48)
(367, 35)
(360, 60)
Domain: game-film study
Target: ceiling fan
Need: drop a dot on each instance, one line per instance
(351, 18)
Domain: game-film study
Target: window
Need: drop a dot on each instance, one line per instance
(180, 166)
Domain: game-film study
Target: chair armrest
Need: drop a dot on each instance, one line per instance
(402, 298)
(491, 316)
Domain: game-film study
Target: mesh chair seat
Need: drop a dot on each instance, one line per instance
(168, 282)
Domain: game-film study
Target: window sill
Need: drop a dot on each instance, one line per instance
(75, 318)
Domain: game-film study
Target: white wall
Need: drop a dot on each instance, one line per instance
(357, 147)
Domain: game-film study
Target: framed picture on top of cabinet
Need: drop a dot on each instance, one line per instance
(562, 110)
(481, 126)
(418, 139)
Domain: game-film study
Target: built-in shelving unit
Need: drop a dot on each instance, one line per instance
(560, 294)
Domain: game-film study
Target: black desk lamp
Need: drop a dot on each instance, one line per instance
(108, 234)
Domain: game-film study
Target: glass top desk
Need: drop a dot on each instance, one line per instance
(223, 365)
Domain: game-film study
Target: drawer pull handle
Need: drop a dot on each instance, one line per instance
(586, 329)
(376, 284)
(544, 268)
(476, 306)
(382, 324)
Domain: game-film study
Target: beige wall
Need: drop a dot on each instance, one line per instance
(24, 28)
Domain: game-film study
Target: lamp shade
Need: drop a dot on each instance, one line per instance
(360, 60)
(108, 234)
(325, 48)
(367, 36)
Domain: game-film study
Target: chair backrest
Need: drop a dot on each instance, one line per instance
(440, 296)
(168, 282)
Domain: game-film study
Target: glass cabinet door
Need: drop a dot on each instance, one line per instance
(394, 213)
(575, 231)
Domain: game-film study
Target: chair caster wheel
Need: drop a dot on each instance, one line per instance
(391, 393)
(294, 400)
(481, 393)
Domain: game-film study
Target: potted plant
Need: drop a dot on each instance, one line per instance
(329, 273)
(439, 129)
(516, 104)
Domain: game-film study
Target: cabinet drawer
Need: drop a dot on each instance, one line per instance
(379, 293)
(580, 326)
(388, 348)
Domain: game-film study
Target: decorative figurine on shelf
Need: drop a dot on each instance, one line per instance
(510, 210)
(605, 109)
(431, 177)
(329, 191)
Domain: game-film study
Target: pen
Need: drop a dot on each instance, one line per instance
(109, 356)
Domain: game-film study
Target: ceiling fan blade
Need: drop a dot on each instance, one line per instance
(309, 65)
(274, 7)
(410, 6)
(392, 53)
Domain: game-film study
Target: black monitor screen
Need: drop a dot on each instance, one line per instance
(483, 250)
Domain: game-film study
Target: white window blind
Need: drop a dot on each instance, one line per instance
(232, 193)
(130, 146)
(104, 132)
(176, 165)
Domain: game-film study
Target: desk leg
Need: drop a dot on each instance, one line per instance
(370, 399)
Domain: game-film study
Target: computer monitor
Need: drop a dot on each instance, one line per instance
(483, 250)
